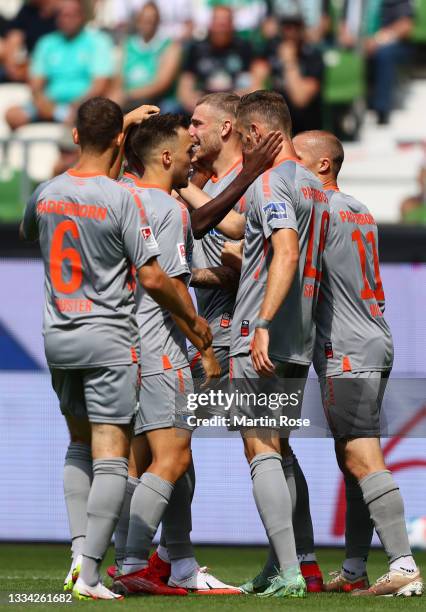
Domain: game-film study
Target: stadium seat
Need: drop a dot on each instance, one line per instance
(41, 155)
(419, 31)
(9, 8)
(344, 76)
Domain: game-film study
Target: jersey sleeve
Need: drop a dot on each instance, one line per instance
(139, 242)
(29, 223)
(173, 234)
(276, 205)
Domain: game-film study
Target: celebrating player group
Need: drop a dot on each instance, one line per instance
(285, 271)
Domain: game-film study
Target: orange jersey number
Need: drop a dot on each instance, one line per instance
(309, 270)
(367, 293)
(57, 256)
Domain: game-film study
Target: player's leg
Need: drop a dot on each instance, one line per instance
(356, 427)
(364, 460)
(68, 385)
(273, 501)
(358, 535)
(139, 460)
(111, 401)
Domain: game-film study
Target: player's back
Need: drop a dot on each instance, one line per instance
(352, 334)
(88, 227)
(163, 345)
(216, 304)
(288, 196)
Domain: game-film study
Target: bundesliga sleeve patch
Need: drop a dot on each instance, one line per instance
(182, 253)
(148, 237)
(275, 210)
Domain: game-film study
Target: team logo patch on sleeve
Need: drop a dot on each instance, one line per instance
(182, 253)
(275, 210)
(149, 238)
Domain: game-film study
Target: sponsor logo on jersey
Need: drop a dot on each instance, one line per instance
(182, 253)
(328, 350)
(225, 321)
(275, 210)
(245, 328)
(148, 236)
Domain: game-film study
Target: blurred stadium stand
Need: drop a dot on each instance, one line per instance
(382, 161)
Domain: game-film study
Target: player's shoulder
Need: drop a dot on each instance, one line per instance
(343, 201)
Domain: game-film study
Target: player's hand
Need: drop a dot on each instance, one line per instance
(262, 156)
(203, 331)
(140, 114)
(259, 353)
(210, 365)
(232, 255)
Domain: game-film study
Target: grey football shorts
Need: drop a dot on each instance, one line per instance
(352, 402)
(277, 400)
(163, 401)
(102, 395)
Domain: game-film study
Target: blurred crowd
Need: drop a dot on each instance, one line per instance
(170, 52)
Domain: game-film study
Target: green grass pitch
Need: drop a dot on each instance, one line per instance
(41, 568)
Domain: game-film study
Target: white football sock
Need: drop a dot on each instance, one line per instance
(406, 563)
(183, 568)
(163, 553)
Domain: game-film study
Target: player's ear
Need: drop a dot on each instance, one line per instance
(119, 139)
(226, 128)
(255, 134)
(324, 165)
(166, 158)
(75, 137)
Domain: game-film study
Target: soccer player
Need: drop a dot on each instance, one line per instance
(272, 326)
(163, 146)
(218, 150)
(353, 358)
(89, 233)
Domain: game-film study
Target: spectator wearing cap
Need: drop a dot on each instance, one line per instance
(295, 69)
(68, 66)
(315, 13)
(382, 28)
(220, 62)
(35, 19)
(150, 64)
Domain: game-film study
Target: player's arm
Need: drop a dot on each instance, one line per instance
(255, 163)
(233, 225)
(284, 263)
(28, 229)
(136, 116)
(232, 255)
(217, 276)
(162, 290)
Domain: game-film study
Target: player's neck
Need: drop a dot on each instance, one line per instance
(287, 152)
(329, 182)
(155, 178)
(94, 164)
(229, 156)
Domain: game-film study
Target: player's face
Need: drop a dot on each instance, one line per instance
(182, 159)
(205, 133)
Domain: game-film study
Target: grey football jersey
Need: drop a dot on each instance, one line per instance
(89, 229)
(163, 345)
(288, 196)
(352, 334)
(129, 179)
(216, 305)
